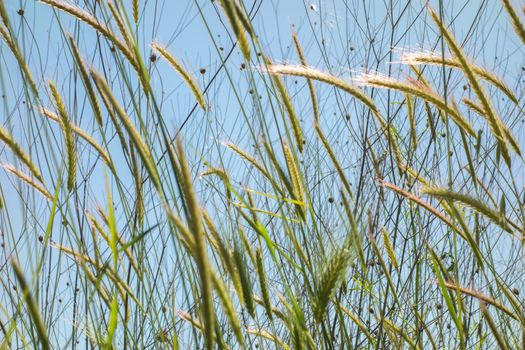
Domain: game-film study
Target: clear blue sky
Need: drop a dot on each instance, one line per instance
(335, 35)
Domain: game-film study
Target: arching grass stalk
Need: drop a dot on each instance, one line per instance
(32, 306)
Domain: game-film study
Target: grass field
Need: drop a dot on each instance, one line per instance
(254, 174)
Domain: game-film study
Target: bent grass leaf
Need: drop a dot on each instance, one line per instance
(188, 79)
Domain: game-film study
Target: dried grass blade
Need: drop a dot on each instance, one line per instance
(276, 165)
(135, 136)
(362, 327)
(481, 297)
(188, 79)
(229, 9)
(96, 225)
(28, 180)
(313, 74)
(267, 335)
(139, 193)
(184, 233)
(248, 158)
(87, 18)
(479, 110)
(32, 306)
(136, 11)
(494, 121)
(201, 256)
(418, 89)
(77, 130)
(518, 26)
(13, 46)
(224, 254)
(255, 164)
(334, 159)
(296, 180)
(68, 135)
(290, 112)
(3, 14)
(424, 205)
(79, 14)
(10, 142)
(124, 32)
(389, 247)
(87, 83)
(244, 276)
(471, 202)
(313, 95)
(228, 308)
(493, 327)
(397, 330)
(416, 58)
(243, 18)
(123, 287)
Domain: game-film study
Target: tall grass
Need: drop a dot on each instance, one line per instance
(329, 193)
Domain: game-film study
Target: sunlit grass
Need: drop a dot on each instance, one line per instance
(302, 206)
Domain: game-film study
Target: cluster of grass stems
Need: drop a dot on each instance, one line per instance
(120, 231)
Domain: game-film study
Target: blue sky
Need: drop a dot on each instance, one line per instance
(334, 34)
